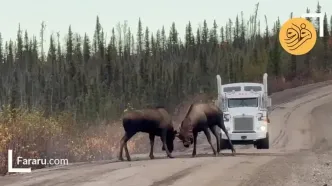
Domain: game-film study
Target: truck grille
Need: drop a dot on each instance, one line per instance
(244, 124)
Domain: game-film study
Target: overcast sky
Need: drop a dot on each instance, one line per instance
(81, 14)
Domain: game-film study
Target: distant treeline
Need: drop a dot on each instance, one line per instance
(97, 79)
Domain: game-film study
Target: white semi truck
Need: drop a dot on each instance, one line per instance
(245, 107)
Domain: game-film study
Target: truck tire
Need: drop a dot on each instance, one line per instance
(263, 143)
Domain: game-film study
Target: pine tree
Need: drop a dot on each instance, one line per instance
(293, 62)
(140, 37)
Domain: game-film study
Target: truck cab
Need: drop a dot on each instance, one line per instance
(245, 107)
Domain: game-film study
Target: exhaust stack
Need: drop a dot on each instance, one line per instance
(219, 84)
(265, 84)
(219, 89)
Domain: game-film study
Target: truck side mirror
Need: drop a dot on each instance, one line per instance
(269, 102)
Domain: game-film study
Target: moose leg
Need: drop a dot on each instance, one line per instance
(127, 151)
(126, 147)
(151, 136)
(214, 132)
(123, 144)
(222, 126)
(195, 142)
(208, 136)
(230, 143)
(163, 139)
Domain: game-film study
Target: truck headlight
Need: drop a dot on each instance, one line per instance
(262, 128)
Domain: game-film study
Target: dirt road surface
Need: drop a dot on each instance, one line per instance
(300, 154)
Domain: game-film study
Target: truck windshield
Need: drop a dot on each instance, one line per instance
(242, 102)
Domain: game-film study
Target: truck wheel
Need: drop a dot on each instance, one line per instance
(223, 144)
(263, 143)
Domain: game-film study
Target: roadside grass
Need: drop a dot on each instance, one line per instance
(31, 135)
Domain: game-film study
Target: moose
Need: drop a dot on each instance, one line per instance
(202, 117)
(154, 121)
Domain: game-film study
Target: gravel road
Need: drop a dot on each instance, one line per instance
(300, 154)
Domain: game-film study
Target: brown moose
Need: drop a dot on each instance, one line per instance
(154, 121)
(202, 117)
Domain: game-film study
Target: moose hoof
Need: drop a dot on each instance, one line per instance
(121, 159)
(151, 157)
